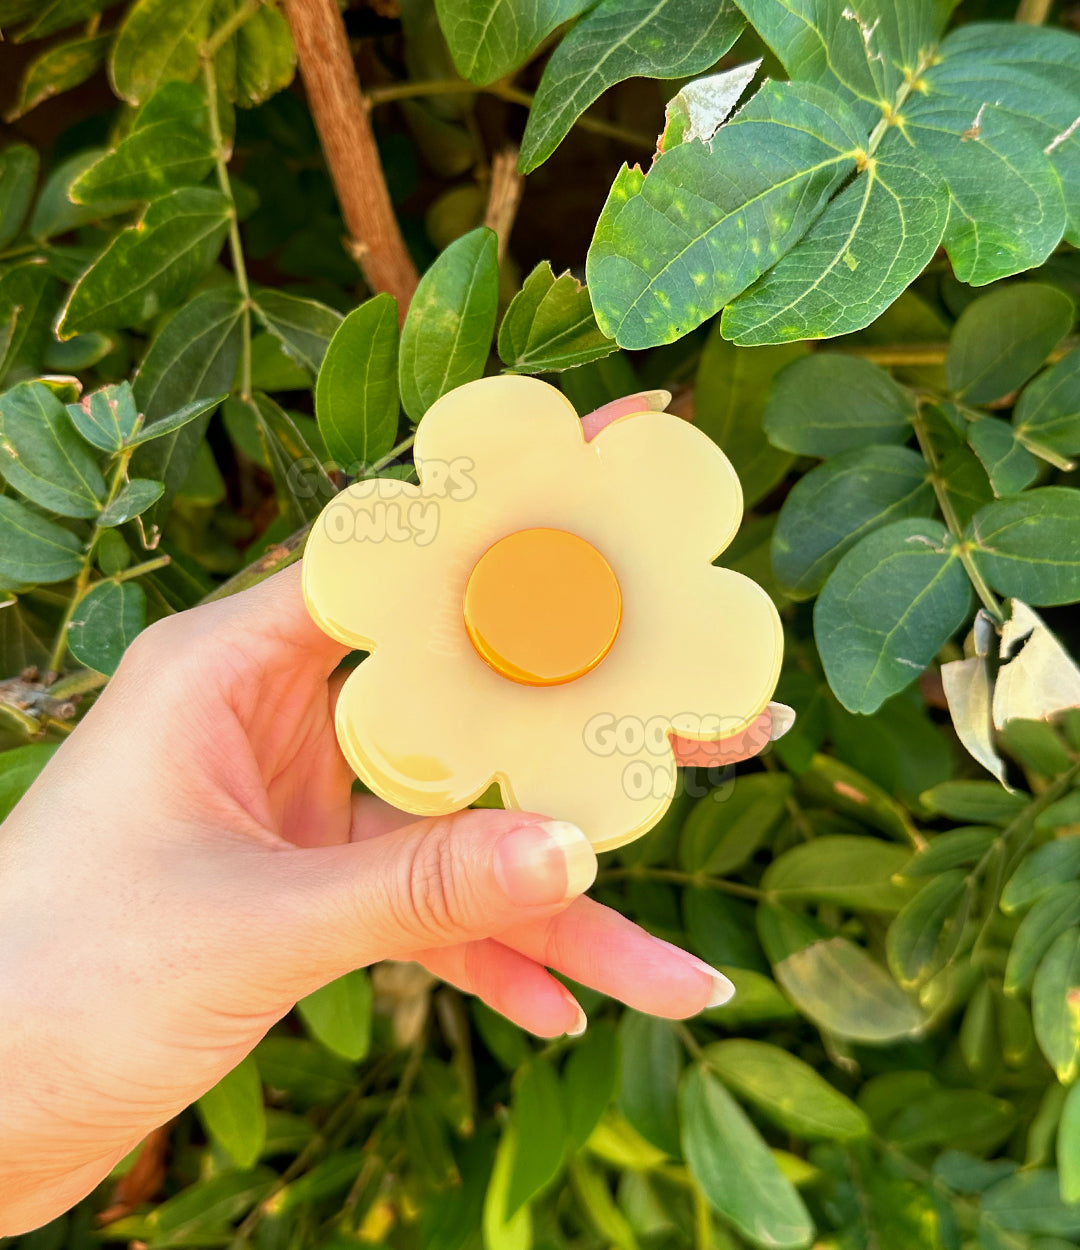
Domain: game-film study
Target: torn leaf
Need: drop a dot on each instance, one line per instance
(698, 110)
(968, 690)
(1040, 678)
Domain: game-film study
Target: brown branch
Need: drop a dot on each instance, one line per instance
(344, 127)
(1033, 12)
(504, 197)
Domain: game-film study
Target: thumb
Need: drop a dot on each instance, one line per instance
(437, 882)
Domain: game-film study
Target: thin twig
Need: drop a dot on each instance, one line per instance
(504, 197)
(236, 250)
(952, 521)
(682, 878)
(512, 95)
(1034, 12)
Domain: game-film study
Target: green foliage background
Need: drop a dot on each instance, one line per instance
(191, 366)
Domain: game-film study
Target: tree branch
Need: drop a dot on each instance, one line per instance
(344, 127)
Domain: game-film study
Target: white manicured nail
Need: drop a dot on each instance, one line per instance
(781, 718)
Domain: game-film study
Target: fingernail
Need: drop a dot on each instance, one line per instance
(781, 718)
(581, 1025)
(543, 864)
(723, 989)
(655, 401)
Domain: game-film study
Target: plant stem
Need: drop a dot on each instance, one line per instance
(282, 554)
(1033, 12)
(952, 521)
(236, 250)
(682, 878)
(82, 580)
(344, 125)
(503, 91)
(229, 28)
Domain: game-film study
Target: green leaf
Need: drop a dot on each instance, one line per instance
(589, 1080)
(550, 325)
(168, 146)
(757, 1000)
(1034, 744)
(303, 487)
(1008, 463)
(18, 768)
(304, 326)
(308, 1072)
(106, 418)
(1055, 1005)
(1042, 869)
(670, 248)
(175, 420)
(1003, 337)
(1068, 1147)
(499, 1230)
(622, 39)
(966, 1119)
(339, 1014)
(651, 1062)
(928, 928)
(53, 15)
(158, 41)
(1047, 416)
(54, 213)
(106, 621)
(132, 500)
(233, 1115)
(1028, 546)
(849, 871)
(838, 986)
(356, 396)
(982, 801)
(888, 607)
(28, 295)
(42, 457)
(58, 69)
(447, 333)
(1030, 1202)
(33, 550)
(724, 830)
(827, 403)
(958, 848)
(729, 395)
(489, 39)
(195, 353)
(18, 177)
(259, 60)
(738, 1174)
(874, 239)
(536, 1115)
(209, 1205)
(1056, 911)
(935, 160)
(837, 504)
(150, 265)
(786, 1090)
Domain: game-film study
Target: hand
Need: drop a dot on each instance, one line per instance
(193, 860)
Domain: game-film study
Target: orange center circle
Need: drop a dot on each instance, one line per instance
(542, 607)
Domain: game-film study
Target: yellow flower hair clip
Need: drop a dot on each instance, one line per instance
(541, 611)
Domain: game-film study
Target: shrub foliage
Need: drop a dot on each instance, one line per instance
(191, 365)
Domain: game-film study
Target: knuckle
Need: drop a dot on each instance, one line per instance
(434, 892)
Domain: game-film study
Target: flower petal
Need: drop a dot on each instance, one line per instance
(374, 543)
(612, 795)
(677, 478)
(496, 423)
(405, 723)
